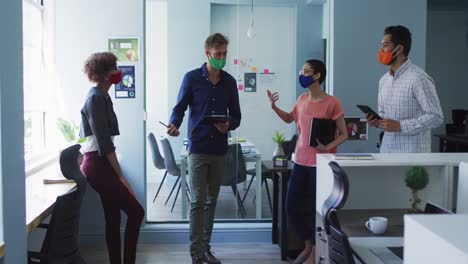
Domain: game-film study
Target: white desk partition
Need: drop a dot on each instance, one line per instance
(462, 194)
(435, 239)
(380, 184)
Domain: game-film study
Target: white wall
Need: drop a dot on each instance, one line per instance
(273, 48)
(447, 56)
(82, 28)
(12, 194)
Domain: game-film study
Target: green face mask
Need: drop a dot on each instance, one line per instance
(218, 64)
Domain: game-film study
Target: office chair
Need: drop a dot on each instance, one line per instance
(235, 173)
(339, 249)
(337, 197)
(71, 169)
(158, 161)
(172, 168)
(60, 244)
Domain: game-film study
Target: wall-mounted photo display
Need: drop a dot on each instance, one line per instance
(356, 127)
(250, 82)
(126, 49)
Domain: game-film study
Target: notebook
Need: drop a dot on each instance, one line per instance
(322, 129)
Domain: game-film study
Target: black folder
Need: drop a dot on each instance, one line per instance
(322, 129)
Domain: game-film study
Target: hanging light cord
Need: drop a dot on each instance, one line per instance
(251, 14)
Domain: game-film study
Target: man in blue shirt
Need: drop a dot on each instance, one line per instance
(206, 91)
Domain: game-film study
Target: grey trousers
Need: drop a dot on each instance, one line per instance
(205, 175)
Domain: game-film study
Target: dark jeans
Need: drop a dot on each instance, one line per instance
(114, 197)
(300, 200)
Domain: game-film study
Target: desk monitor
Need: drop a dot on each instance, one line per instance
(434, 209)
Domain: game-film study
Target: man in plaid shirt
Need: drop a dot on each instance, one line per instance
(408, 101)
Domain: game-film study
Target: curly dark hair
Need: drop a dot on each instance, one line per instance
(98, 65)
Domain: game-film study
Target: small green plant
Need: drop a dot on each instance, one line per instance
(70, 131)
(416, 179)
(278, 137)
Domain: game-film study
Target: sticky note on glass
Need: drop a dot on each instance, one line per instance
(240, 87)
(236, 61)
(254, 69)
(266, 71)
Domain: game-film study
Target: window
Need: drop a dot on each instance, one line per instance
(39, 106)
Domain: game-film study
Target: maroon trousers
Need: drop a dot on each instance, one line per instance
(114, 197)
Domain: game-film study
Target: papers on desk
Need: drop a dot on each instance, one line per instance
(353, 156)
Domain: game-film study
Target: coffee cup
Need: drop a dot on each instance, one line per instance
(377, 225)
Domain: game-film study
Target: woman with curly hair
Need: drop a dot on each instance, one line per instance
(100, 165)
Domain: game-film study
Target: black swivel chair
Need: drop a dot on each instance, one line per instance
(70, 167)
(235, 173)
(339, 249)
(60, 244)
(158, 160)
(337, 197)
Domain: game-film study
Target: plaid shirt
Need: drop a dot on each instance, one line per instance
(409, 96)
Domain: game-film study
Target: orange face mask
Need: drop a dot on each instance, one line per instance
(386, 58)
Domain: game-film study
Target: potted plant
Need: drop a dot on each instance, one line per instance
(70, 132)
(416, 179)
(278, 138)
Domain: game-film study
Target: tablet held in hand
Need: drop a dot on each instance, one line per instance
(213, 119)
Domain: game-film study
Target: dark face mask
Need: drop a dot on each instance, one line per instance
(306, 81)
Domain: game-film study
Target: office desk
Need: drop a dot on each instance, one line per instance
(452, 143)
(279, 232)
(40, 197)
(252, 156)
(380, 183)
(352, 221)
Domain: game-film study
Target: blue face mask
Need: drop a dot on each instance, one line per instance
(306, 81)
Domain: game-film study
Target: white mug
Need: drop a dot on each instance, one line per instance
(377, 225)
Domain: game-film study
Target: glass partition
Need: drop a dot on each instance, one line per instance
(262, 55)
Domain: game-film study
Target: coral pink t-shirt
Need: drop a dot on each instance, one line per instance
(303, 112)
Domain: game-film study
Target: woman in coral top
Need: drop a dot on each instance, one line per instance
(314, 103)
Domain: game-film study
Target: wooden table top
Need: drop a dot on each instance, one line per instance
(269, 165)
(40, 197)
(353, 221)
